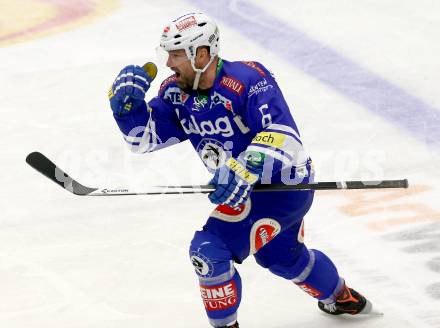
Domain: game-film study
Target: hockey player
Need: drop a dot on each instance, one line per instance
(235, 116)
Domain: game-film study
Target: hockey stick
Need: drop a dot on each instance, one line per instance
(46, 167)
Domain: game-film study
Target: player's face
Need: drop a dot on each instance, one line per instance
(179, 63)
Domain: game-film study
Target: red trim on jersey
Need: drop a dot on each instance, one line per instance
(255, 66)
(166, 82)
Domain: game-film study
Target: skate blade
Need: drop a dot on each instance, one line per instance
(370, 310)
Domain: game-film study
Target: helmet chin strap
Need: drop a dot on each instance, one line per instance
(199, 71)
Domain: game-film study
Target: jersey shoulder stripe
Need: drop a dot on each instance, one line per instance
(245, 71)
(256, 66)
(169, 81)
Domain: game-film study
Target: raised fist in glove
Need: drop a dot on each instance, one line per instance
(131, 84)
(233, 183)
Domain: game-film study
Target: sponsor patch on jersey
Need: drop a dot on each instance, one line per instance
(262, 232)
(217, 99)
(166, 82)
(309, 290)
(212, 153)
(222, 126)
(255, 66)
(202, 265)
(186, 23)
(220, 297)
(261, 87)
(232, 214)
(255, 158)
(176, 96)
(232, 84)
(273, 139)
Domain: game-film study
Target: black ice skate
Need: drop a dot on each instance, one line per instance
(348, 301)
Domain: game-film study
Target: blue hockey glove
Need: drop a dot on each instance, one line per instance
(234, 183)
(128, 90)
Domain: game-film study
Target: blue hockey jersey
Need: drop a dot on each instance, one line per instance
(243, 114)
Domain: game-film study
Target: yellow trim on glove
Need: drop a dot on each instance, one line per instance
(110, 93)
(241, 171)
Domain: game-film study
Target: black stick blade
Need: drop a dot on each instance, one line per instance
(377, 184)
(46, 167)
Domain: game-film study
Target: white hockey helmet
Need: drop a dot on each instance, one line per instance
(189, 32)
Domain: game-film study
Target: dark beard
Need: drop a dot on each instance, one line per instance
(185, 85)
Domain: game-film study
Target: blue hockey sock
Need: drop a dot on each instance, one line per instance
(320, 277)
(313, 272)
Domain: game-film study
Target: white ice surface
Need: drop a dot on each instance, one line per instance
(122, 262)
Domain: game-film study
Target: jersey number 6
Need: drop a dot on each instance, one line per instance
(266, 119)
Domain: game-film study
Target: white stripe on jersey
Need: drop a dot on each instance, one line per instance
(294, 149)
(131, 139)
(149, 139)
(298, 159)
(285, 128)
(147, 143)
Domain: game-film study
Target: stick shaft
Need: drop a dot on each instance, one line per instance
(46, 167)
(332, 185)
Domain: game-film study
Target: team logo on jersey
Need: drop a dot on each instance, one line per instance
(202, 264)
(212, 153)
(232, 214)
(255, 66)
(261, 87)
(232, 84)
(219, 297)
(199, 103)
(222, 126)
(217, 99)
(262, 232)
(176, 96)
